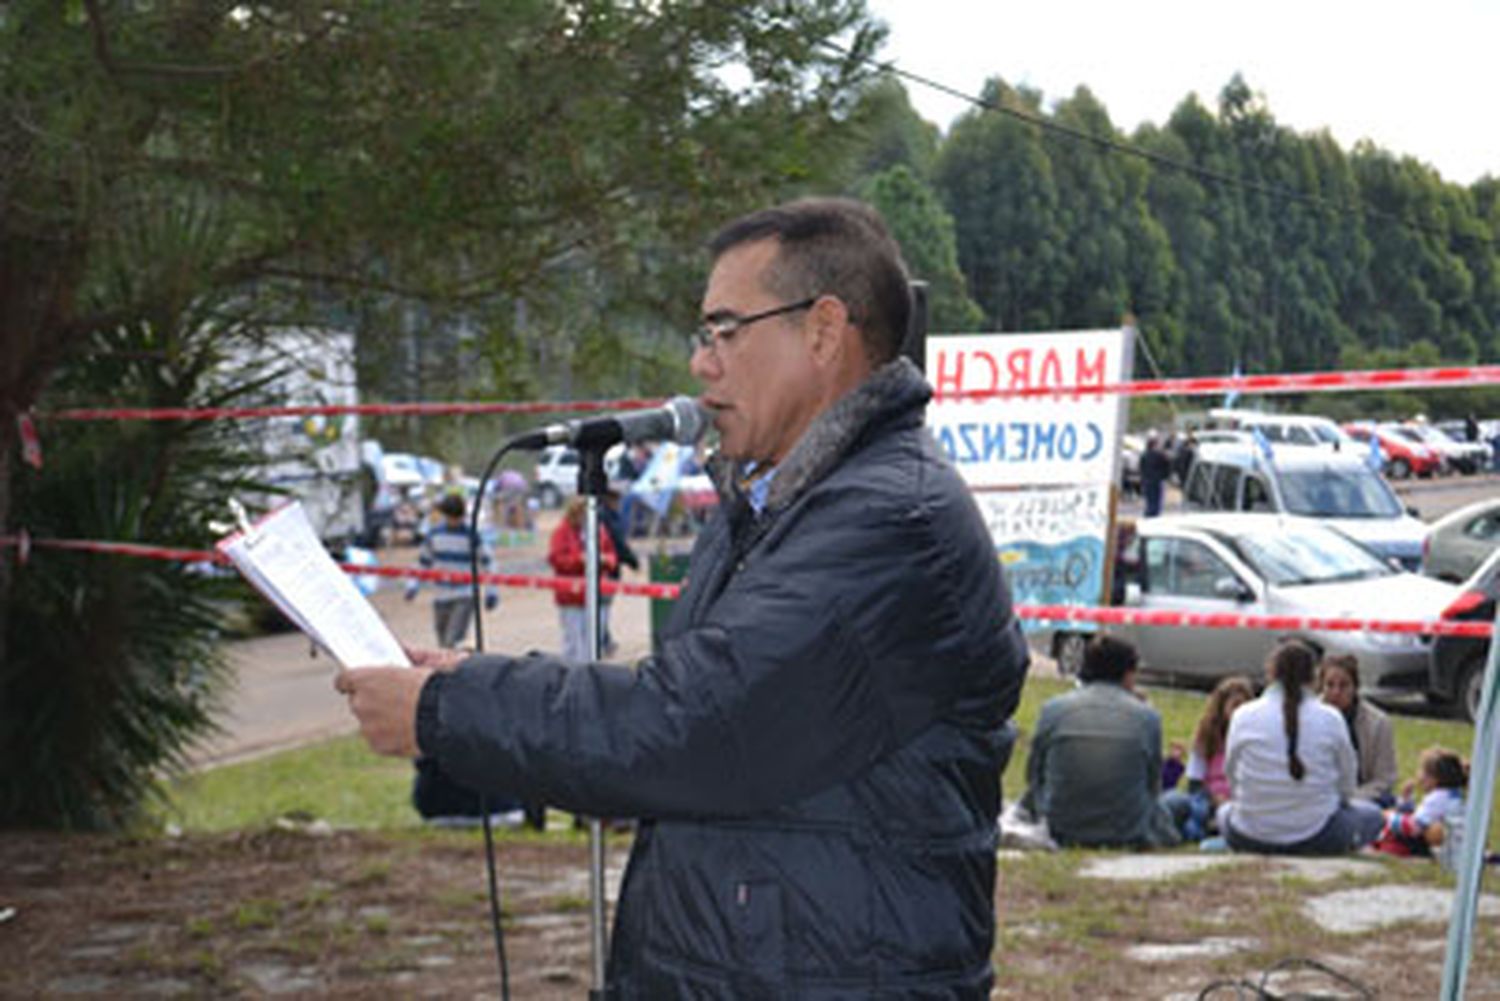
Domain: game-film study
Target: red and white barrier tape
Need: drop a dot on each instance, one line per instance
(1047, 613)
(1293, 382)
(363, 409)
(138, 550)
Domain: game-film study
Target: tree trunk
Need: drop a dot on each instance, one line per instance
(38, 282)
(7, 558)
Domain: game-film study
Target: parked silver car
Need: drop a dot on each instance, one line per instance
(1263, 564)
(1461, 540)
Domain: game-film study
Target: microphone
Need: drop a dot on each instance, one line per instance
(681, 419)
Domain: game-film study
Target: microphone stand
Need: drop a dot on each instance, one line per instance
(593, 483)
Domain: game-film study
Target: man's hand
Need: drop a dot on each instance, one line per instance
(384, 700)
(437, 660)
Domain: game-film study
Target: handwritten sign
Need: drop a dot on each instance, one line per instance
(1010, 441)
(1051, 541)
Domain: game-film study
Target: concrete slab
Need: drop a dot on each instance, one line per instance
(1174, 952)
(1370, 907)
(1145, 866)
(1325, 870)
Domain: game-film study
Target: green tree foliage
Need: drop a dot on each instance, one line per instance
(997, 181)
(924, 230)
(888, 132)
(115, 664)
(499, 188)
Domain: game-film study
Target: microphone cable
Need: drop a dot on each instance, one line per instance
(484, 806)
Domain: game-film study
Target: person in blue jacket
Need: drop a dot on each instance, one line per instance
(814, 747)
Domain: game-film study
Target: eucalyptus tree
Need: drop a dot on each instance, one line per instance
(924, 229)
(996, 178)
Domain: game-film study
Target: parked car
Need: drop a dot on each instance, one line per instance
(1458, 429)
(1458, 662)
(556, 477)
(1461, 540)
(1263, 564)
(1401, 455)
(1337, 488)
(1306, 430)
(1467, 457)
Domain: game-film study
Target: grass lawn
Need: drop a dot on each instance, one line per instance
(342, 782)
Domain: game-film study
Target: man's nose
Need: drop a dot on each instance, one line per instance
(704, 364)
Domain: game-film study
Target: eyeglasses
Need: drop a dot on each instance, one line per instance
(721, 326)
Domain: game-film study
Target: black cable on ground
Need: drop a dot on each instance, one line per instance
(1244, 988)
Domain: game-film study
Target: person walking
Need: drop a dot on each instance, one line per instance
(447, 547)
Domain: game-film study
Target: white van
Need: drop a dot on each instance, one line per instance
(1306, 430)
(1337, 488)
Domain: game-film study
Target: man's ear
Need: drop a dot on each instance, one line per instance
(830, 333)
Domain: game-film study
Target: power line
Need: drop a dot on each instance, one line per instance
(1111, 145)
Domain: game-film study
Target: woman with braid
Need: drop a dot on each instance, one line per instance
(1292, 768)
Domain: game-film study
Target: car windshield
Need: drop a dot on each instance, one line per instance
(1293, 556)
(1325, 433)
(1337, 493)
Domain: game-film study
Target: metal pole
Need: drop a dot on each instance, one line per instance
(1480, 799)
(592, 483)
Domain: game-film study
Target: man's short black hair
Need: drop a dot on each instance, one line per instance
(1106, 658)
(838, 247)
(451, 505)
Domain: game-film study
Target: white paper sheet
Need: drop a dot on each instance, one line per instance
(281, 556)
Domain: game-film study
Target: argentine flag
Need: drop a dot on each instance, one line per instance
(1234, 394)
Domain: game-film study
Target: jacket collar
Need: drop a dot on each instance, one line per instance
(893, 391)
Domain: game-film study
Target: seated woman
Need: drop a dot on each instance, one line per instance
(1292, 768)
(1192, 810)
(1369, 731)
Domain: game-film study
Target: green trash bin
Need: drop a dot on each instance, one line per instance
(665, 568)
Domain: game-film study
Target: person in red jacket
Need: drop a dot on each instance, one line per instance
(566, 554)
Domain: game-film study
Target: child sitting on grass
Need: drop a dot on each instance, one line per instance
(1443, 776)
(1207, 785)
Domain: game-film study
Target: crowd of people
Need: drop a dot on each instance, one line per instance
(1306, 767)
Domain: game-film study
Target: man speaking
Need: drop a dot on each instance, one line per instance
(814, 748)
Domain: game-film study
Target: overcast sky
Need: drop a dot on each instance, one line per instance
(1417, 78)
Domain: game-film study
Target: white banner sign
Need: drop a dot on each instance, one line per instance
(1006, 441)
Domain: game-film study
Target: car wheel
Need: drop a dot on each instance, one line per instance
(1470, 688)
(550, 496)
(1069, 653)
(1400, 469)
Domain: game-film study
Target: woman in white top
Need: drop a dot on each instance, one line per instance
(1292, 768)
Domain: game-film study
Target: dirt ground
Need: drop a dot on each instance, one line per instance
(358, 915)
